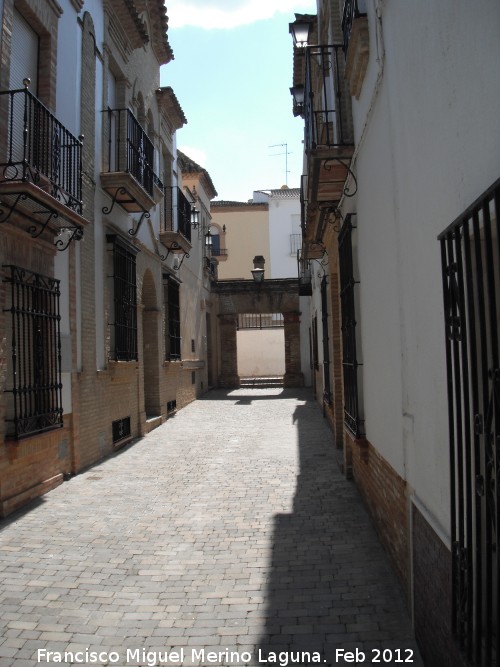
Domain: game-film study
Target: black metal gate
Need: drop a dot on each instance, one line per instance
(470, 251)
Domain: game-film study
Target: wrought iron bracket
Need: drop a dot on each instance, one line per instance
(40, 223)
(170, 248)
(119, 191)
(75, 234)
(345, 162)
(134, 232)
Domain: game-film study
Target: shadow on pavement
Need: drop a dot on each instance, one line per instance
(330, 588)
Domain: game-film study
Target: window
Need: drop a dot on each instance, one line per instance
(470, 253)
(215, 241)
(173, 320)
(350, 364)
(35, 403)
(327, 394)
(24, 54)
(124, 287)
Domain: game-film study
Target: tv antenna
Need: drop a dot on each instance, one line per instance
(286, 154)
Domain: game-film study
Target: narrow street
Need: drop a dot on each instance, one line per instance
(226, 536)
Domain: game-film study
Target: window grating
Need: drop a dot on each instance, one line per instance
(172, 406)
(173, 334)
(121, 429)
(125, 301)
(348, 310)
(470, 253)
(36, 388)
(327, 393)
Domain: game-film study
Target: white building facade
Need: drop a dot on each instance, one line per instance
(418, 316)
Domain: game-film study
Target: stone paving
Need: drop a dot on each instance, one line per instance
(227, 536)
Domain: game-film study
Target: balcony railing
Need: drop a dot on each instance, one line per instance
(325, 124)
(219, 252)
(39, 149)
(353, 9)
(130, 149)
(177, 212)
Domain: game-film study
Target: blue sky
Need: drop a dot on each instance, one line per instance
(233, 83)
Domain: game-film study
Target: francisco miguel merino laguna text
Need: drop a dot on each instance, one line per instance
(177, 657)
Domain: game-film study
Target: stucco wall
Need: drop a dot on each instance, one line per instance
(261, 353)
(424, 157)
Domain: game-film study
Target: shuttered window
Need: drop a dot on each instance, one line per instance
(24, 54)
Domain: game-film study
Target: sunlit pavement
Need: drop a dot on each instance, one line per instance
(226, 536)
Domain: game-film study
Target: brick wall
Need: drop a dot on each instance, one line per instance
(28, 467)
(385, 494)
(432, 595)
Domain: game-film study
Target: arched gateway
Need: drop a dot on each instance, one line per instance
(270, 296)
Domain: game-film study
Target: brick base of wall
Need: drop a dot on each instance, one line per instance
(31, 467)
(432, 595)
(385, 494)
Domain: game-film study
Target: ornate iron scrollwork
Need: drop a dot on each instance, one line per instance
(134, 232)
(345, 162)
(119, 191)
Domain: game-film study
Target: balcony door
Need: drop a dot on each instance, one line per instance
(23, 64)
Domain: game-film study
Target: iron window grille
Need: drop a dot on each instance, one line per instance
(327, 394)
(124, 299)
(121, 429)
(352, 418)
(38, 147)
(173, 321)
(315, 354)
(35, 402)
(470, 253)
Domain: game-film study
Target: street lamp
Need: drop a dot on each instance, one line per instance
(301, 30)
(298, 99)
(195, 218)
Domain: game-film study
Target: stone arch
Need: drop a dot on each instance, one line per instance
(271, 296)
(151, 336)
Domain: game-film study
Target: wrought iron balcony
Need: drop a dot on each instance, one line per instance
(176, 233)
(129, 176)
(329, 142)
(219, 252)
(353, 9)
(323, 113)
(40, 167)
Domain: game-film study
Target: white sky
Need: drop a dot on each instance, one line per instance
(231, 74)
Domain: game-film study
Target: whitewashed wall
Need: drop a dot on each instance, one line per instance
(427, 120)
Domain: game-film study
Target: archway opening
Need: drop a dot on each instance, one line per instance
(261, 348)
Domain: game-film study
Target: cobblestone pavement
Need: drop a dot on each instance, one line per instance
(226, 536)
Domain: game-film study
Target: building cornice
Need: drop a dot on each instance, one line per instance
(170, 108)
